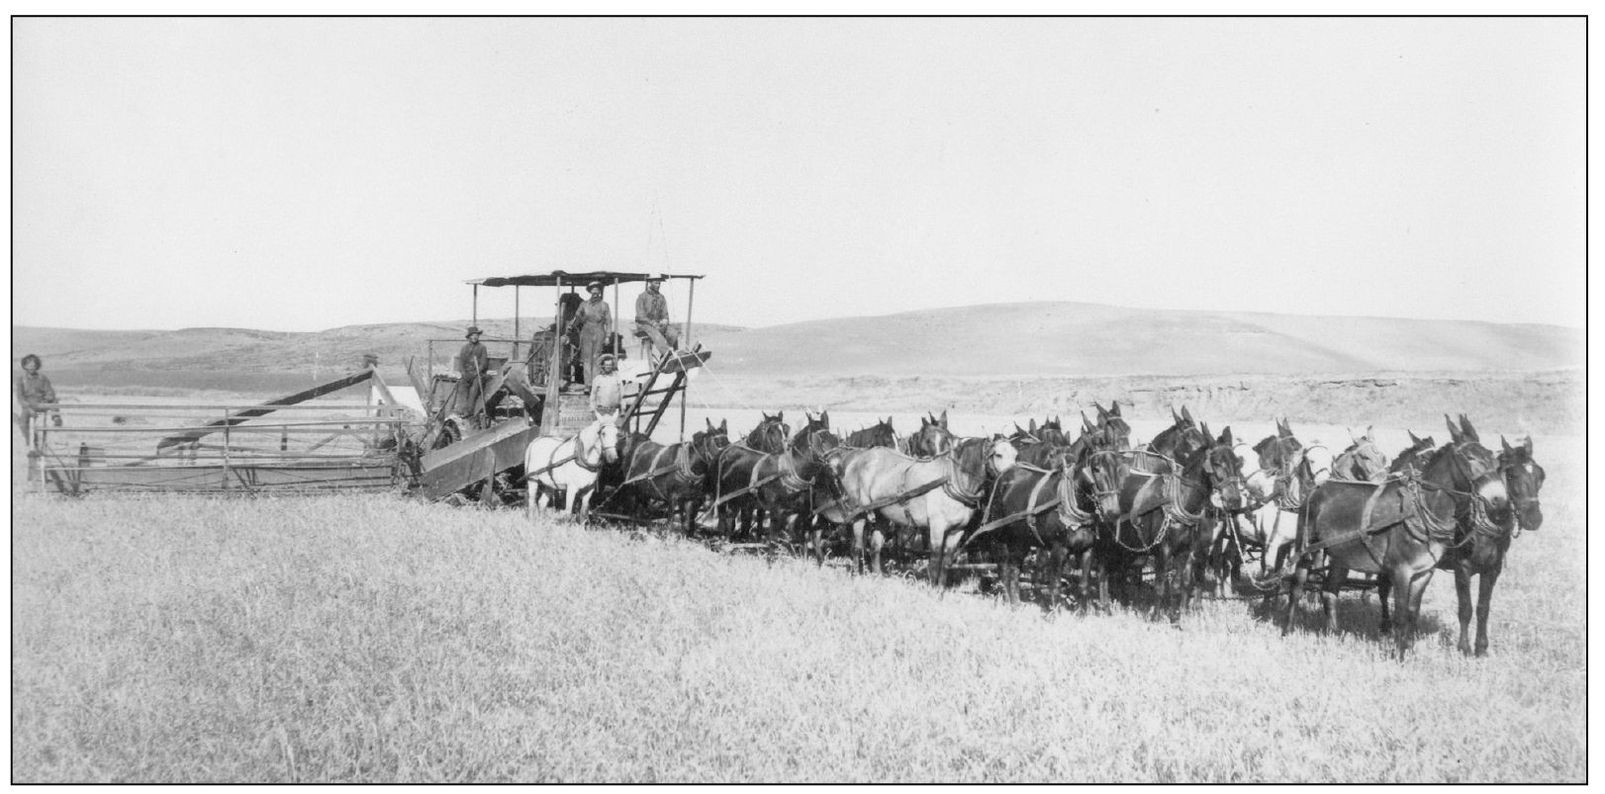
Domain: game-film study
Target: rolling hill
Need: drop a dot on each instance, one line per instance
(1006, 340)
(1089, 340)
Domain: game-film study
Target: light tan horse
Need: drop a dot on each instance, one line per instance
(939, 495)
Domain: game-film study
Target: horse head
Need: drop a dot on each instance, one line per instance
(1523, 479)
(1279, 453)
(1115, 428)
(814, 442)
(1467, 468)
(1100, 470)
(1000, 455)
(707, 444)
(604, 436)
(1223, 471)
(770, 435)
(932, 439)
(1363, 460)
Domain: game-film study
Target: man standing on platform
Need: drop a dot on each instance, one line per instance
(594, 321)
(472, 361)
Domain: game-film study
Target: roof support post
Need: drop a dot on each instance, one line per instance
(476, 305)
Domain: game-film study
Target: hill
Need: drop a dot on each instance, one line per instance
(1031, 356)
(1089, 340)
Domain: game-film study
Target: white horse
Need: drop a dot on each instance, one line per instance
(571, 465)
(1274, 523)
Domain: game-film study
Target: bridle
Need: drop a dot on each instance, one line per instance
(1101, 492)
(988, 471)
(1475, 504)
(1520, 504)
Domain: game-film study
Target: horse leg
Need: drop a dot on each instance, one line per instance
(938, 536)
(857, 530)
(1301, 574)
(1330, 589)
(1418, 588)
(1485, 596)
(1009, 573)
(1384, 591)
(1185, 571)
(877, 543)
(1086, 578)
(1463, 597)
(1058, 557)
(816, 538)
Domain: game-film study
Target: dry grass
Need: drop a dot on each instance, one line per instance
(377, 639)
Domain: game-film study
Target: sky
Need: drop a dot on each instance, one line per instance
(305, 174)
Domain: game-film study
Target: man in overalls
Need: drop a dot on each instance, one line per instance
(594, 321)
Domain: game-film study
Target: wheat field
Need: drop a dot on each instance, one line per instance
(381, 639)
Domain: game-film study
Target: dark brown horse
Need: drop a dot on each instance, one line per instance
(673, 475)
(1054, 511)
(1278, 454)
(779, 484)
(1480, 549)
(768, 438)
(879, 434)
(1165, 514)
(1115, 426)
(1398, 528)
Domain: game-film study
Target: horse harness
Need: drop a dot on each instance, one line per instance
(1419, 520)
(577, 457)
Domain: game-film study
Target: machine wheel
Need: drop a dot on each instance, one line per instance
(451, 432)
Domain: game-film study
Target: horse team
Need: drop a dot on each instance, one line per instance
(1187, 506)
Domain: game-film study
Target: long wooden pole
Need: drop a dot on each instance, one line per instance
(554, 375)
(690, 303)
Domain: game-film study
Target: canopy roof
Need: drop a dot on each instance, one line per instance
(567, 279)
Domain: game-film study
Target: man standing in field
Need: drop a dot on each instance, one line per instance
(594, 322)
(35, 396)
(472, 361)
(652, 318)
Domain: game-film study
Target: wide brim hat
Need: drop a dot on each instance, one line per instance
(593, 285)
(605, 357)
(473, 329)
(654, 279)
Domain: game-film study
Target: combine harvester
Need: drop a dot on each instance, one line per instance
(304, 443)
(530, 394)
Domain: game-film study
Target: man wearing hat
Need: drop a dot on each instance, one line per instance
(594, 322)
(652, 318)
(472, 361)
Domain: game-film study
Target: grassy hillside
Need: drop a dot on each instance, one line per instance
(1078, 339)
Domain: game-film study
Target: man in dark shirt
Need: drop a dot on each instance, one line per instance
(652, 318)
(35, 396)
(472, 361)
